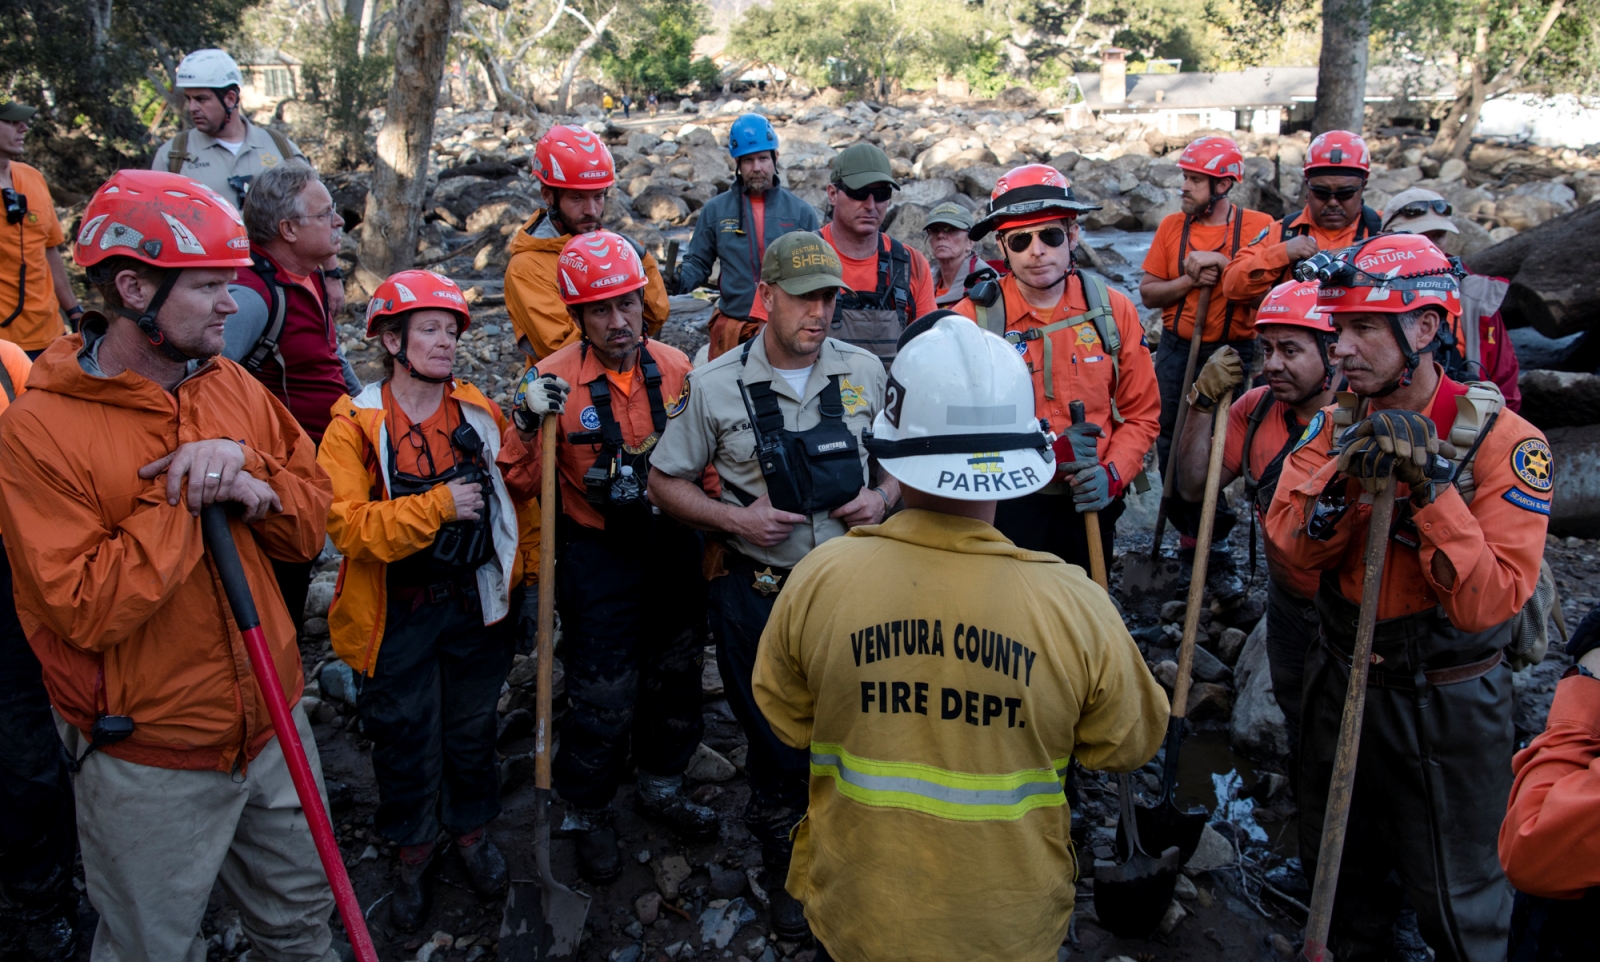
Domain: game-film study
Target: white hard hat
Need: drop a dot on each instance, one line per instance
(958, 418)
(211, 68)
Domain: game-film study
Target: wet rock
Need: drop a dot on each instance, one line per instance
(1166, 673)
(648, 908)
(1257, 727)
(1213, 852)
(1207, 667)
(319, 598)
(1208, 700)
(338, 683)
(1230, 644)
(708, 765)
(725, 882)
(671, 872)
(722, 920)
(1172, 612)
(1175, 914)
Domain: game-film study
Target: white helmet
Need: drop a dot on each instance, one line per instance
(211, 68)
(958, 418)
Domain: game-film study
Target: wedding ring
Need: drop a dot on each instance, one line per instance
(214, 474)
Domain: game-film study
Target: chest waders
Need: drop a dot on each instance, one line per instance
(874, 322)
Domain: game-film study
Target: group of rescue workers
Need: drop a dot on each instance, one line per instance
(872, 494)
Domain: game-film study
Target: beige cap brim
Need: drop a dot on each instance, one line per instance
(1423, 224)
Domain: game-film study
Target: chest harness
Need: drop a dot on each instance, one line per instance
(615, 483)
(805, 471)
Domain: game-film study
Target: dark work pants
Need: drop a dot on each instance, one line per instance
(1172, 356)
(294, 583)
(633, 645)
(779, 775)
(1049, 522)
(1432, 779)
(1554, 930)
(430, 712)
(1292, 627)
(37, 827)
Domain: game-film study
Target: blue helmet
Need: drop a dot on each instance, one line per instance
(750, 134)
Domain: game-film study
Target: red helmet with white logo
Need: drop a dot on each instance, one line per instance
(161, 219)
(416, 290)
(1294, 304)
(1338, 151)
(571, 157)
(1390, 274)
(1030, 194)
(1213, 157)
(597, 266)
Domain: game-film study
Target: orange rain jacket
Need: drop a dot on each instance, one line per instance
(371, 530)
(521, 461)
(112, 585)
(1263, 263)
(1550, 840)
(1494, 545)
(1082, 371)
(17, 366)
(536, 309)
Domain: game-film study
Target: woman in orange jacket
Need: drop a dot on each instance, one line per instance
(428, 592)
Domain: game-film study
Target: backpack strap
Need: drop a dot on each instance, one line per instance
(1098, 312)
(285, 149)
(1476, 412)
(6, 385)
(180, 152)
(1252, 423)
(1371, 223)
(894, 274)
(1237, 214)
(266, 346)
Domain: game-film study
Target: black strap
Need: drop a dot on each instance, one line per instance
(1257, 415)
(1236, 220)
(894, 283)
(600, 396)
(5, 383)
(266, 346)
(956, 444)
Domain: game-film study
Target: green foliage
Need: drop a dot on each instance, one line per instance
(88, 87)
(984, 73)
(346, 86)
(653, 49)
(1567, 61)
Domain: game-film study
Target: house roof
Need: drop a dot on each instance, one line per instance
(1257, 87)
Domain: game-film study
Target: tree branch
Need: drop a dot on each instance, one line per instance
(1509, 75)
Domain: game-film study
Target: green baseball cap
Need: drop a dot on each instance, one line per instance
(861, 164)
(13, 111)
(801, 262)
(951, 214)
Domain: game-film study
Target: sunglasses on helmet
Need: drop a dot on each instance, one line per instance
(879, 192)
(1021, 240)
(1341, 195)
(1418, 208)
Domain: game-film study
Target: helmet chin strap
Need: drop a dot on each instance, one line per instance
(146, 320)
(405, 362)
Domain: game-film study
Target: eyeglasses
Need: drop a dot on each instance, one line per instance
(879, 192)
(331, 215)
(1341, 195)
(1418, 208)
(1021, 240)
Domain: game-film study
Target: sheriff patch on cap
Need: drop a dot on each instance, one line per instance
(801, 262)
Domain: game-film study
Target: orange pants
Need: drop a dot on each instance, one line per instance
(728, 333)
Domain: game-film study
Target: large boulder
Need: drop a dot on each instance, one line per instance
(661, 207)
(1553, 399)
(978, 181)
(1112, 213)
(1575, 502)
(926, 192)
(1257, 728)
(906, 226)
(503, 208)
(1554, 286)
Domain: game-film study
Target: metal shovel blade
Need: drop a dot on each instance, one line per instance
(1144, 576)
(542, 922)
(1166, 824)
(1131, 898)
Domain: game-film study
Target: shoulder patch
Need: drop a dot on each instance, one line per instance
(1527, 502)
(1261, 236)
(681, 402)
(1312, 430)
(1532, 461)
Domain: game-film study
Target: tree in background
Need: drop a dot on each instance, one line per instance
(1342, 68)
(346, 85)
(653, 48)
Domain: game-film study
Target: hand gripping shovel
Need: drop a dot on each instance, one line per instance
(543, 919)
(1167, 824)
(1131, 898)
(1142, 576)
(1337, 817)
(1091, 524)
(225, 555)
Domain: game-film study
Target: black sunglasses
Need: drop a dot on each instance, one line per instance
(879, 192)
(1418, 208)
(1341, 195)
(1021, 240)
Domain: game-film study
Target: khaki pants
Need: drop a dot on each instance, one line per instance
(154, 841)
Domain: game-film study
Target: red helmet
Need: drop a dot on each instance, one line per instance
(571, 157)
(162, 219)
(597, 266)
(416, 290)
(1388, 274)
(1030, 194)
(1294, 304)
(1213, 157)
(1334, 151)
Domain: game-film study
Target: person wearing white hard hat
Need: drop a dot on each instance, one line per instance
(903, 657)
(1473, 352)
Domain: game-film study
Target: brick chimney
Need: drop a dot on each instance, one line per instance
(1113, 75)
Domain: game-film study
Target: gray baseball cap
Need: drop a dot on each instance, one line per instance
(801, 262)
(13, 111)
(950, 214)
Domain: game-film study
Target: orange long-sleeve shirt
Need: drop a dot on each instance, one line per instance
(1263, 263)
(1494, 545)
(1550, 840)
(1081, 371)
(520, 461)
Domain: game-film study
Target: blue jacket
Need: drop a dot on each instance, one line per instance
(724, 230)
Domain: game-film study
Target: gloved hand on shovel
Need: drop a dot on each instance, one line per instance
(538, 395)
(1223, 372)
(1091, 484)
(1399, 442)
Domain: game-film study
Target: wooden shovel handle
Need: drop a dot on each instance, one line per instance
(1202, 551)
(1169, 471)
(547, 600)
(1091, 524)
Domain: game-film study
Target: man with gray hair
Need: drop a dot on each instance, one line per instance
(284, 332)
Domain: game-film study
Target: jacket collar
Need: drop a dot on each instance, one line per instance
(948, 532)
(830, 361)
(65, 368)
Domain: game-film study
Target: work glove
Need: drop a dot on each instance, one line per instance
(1091, 488)
(1223, 372)
(538, 395)
(1410, 438)
(1361, 458)
(1078, 447)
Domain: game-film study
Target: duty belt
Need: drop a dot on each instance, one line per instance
(1436, 678)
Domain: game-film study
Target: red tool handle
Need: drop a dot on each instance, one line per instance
(225, 555)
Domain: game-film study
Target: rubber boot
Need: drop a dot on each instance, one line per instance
(486, 867)
(598, 861)
(413, 890)
(662, 799)
(787, 915)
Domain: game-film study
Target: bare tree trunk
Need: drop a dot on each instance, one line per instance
(1342, 69)
(596, 31)
(400, 173)
(505, 98)
(369, 9)
(1455, 131)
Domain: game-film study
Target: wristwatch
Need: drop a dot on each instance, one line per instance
(337, 273)
(1576, 670)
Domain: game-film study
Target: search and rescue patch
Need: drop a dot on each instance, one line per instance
(987, 473)
(1532, 460)
(680, 402)
(851, 397)
(590, 418)
(766, 582)
(1086, 333)
(1261, 236)
(1528, 502)
(1312, 430)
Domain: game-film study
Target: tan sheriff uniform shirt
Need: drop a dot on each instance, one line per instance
(710, 425)
(212, 164)
(942, 678)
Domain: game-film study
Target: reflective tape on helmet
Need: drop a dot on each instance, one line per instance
(961, 796)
